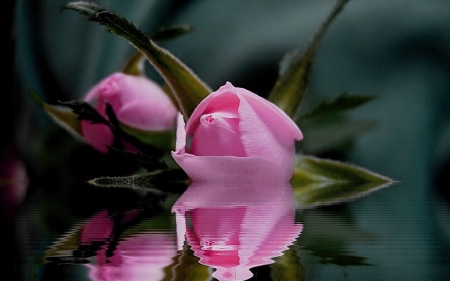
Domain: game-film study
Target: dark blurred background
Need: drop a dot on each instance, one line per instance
(398, 51)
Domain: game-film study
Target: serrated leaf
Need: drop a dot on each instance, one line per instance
(188, 89)
(167, 180)
(89, 9)
(290, 87)
(61, 115)
(342, 103)
(319, 181)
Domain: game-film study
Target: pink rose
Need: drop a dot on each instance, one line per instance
(234, 130)
(232, 231)
(138, 103)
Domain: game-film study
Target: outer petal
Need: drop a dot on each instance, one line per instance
(266, 131)
(229, 168)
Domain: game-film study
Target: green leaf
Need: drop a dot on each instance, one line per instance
(62, 115)
(165, 33)
(342, 103)
(290, 87)
(187, 88)
(314, 169)
(167, 180)
(135, 64)
(320, 182)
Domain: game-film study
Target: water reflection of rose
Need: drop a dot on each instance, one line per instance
(140, 256)
(233, 232)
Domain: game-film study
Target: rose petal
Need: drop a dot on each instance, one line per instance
(228, 168)
(180, 144)
(225, 103)
(97, 135)
(217, 136)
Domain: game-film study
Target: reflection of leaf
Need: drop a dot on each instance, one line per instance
(319, 181)
(186, 267)
(330, 236)
(288, 266)
(342, 103)
(169, 180)
(188, 89)
(323, 135)
(290, 87)
(328, 254)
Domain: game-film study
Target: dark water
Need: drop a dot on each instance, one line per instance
(115, 234)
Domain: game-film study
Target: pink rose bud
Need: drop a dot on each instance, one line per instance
(235, 131)
(138, 103)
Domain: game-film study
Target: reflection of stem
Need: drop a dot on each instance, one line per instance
(288, 266)
(186, 266)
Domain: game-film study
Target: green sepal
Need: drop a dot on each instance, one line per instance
(85, 111)
(342, 103)
(318, 181)
(163, 140)
(62, 115)
(295, 69)
(187, 88)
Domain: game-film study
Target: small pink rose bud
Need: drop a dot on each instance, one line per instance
(138, 103)
(234, 131)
